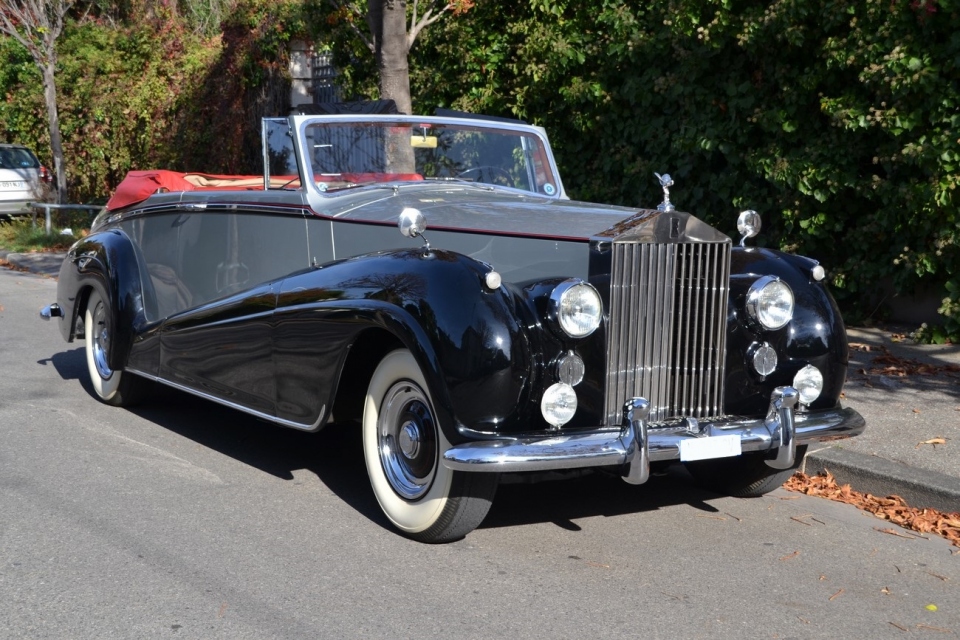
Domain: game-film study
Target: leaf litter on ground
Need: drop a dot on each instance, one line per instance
(893, 509)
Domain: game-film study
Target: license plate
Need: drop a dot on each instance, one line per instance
(11, 185)
(706, 448)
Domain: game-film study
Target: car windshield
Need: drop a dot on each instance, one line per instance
(345, 155)
(17, 158)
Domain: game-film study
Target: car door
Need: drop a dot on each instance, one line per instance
(218, 342)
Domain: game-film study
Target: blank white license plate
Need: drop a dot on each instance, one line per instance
(707, 448)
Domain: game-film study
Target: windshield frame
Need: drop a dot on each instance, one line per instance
(301, 125)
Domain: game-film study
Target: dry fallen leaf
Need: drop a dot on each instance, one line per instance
(886, 591)
(916, 410)
(932, 441)
(891, 508)
(792, 555)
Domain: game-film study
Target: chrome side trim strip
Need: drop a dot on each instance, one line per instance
(233, 405)
(609, 447)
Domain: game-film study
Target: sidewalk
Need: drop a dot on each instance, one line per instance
(909, 395)
(47, 264)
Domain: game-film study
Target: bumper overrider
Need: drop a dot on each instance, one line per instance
(634, 445)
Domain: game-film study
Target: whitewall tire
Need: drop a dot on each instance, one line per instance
(402, 447)
(112, 387)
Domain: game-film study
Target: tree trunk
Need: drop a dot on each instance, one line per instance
(53, 119)
(389, 20)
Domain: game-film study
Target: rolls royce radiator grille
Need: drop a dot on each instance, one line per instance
(667, 330)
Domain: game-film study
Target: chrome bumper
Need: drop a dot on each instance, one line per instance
(634, 445)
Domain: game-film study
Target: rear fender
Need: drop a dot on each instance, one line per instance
(105, 261)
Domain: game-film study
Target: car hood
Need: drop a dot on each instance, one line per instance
(477, 208)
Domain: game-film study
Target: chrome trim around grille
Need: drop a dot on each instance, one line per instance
(666, 338)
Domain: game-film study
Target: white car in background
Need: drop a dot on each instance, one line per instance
(22, 179)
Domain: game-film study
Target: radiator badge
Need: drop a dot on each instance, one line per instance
(666, 182)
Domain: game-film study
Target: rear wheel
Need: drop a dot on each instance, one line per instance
(746, 476)
(116, 388)
(402, 447)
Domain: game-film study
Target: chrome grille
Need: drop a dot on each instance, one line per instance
(667, 330)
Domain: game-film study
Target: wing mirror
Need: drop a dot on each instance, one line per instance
(412, 224)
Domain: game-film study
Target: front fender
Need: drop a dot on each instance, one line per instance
(816, 335)
(108, 262)
(467, 338)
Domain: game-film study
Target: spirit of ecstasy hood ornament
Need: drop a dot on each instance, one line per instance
(666, 182)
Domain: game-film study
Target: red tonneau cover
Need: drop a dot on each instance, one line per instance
(140, 185)
(137, 186)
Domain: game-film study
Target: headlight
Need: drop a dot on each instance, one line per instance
(770, 302)
(809, 383)
(575, 306)
(558, 404)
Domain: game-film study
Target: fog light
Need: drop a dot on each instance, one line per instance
(559, 403)
(809, 382)
(570, 369)
(764, 359)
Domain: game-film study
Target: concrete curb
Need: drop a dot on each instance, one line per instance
(881, 477)
(47, 264)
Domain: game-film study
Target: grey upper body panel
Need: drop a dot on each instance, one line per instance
(473, 208)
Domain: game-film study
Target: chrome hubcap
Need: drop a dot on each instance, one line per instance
(101, 341)
(406, 433)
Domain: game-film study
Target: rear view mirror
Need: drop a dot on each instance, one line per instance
(423, 142)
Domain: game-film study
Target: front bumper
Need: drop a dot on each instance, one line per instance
(635, 445)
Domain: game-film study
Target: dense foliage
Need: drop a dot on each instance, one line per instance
(838, 120)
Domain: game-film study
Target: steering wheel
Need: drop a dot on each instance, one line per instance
(488, 174)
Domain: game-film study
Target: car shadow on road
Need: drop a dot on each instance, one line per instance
(561, 502)
(70, 365)
(335, 456)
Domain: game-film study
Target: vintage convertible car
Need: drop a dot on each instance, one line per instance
(530, 334)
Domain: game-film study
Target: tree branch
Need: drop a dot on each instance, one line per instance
(416, 26)
(368, 41)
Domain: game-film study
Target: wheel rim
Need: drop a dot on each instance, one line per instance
(101, 341)
(406, 439)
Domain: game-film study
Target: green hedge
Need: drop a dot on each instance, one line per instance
(836, 119)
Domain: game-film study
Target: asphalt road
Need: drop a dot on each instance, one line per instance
(183, 519)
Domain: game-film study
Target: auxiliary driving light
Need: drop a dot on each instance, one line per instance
(809, 383)
(559, 403)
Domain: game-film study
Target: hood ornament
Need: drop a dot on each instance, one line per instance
(666, 182)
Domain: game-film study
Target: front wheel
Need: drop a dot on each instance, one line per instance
(116, 388)
(402, 448)
(746, 476)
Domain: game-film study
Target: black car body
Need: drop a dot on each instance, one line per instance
(522, 332)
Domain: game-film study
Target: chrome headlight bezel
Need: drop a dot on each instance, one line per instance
(770, 302)
(575, 308)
